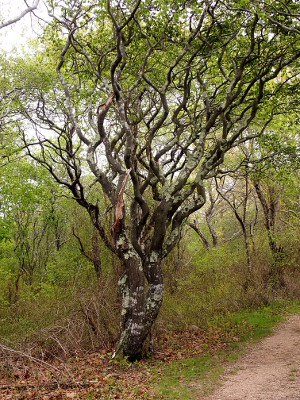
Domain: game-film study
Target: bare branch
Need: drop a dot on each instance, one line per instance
(20, 16)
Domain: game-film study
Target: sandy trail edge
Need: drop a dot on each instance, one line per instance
(269, 371)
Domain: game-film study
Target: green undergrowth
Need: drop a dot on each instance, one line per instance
(188, 378)
(186, 365)
(194, 378)
(262, 320)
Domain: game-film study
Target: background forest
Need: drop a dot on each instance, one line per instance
(59, 281)
(140, 154)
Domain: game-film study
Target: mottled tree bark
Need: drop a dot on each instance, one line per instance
(139, 307)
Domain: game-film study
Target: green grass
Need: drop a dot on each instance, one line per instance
(263, 320)
(185, 378)
(293, 307)
(260, 322)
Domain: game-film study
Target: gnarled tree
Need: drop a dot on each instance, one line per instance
(149, 97)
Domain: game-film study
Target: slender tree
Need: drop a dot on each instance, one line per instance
(235, 204)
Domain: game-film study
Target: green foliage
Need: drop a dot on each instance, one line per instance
(206, 289)
(43, 273)
(213, 284)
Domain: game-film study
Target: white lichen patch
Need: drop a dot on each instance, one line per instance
(136, 328)
(155, 296)
(125, 302)
(158, 292)
(133, 301)
(122, 280)
(154, 257)
(125, 294)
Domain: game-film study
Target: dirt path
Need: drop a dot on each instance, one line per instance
(270, 371)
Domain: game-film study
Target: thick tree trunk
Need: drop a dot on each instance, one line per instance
(132, 288)
(139, 309)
